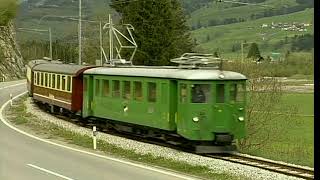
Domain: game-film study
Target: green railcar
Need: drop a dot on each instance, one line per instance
(198, 104)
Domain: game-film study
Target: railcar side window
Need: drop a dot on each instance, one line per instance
(200, 93)
(126, 90)
(220, 93)
(53, 81)
(85, 84)
(97, 87)
(63, 82)
(137, 91)
(115, 88)
(58, 81)
(241, 93)
(69, 83)
(152, 92)
(183, 93)
(233, 92)
(106, 89)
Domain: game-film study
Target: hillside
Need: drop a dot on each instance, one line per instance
(215, 13)
(215, 25)
(227, 38)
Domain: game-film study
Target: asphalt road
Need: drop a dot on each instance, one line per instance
(22, 157)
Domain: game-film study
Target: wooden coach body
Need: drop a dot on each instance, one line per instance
(57, 84)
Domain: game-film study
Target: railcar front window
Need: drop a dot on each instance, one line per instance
(137, 91)
(200, 93)
(126, 90)
(152, 92)
(233, 92)
(241, 92)
(183, 93)
(116, 88)
(220, 93)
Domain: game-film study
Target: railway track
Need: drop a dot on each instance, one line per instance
(270, 165)
(258, 162)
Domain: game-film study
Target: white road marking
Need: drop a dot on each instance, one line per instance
(89, 153)
(13, 85)
(48, 171)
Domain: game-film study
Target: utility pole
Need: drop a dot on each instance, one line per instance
(50, 40)
(110, 38)
(79, 31)
(101, 55)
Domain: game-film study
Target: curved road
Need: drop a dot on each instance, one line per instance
(22, 157)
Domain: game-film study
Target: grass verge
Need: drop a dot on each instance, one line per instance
(291, 140)
(18, 116)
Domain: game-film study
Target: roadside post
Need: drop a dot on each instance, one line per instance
(94, 136)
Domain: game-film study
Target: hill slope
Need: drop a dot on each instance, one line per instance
(229, 37)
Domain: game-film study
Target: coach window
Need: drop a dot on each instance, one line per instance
(97, 87)
(63, 83)
(49, 81)
(106, 89)
(220, 93)
(38, 78)
(126, 90)
(34, 78)
(115, 88)
(46, 79)
(152, 92)
(58, 82)
(183, 93)
(200, 93)
(240, 93)
(137, 91)
(53, 85)
(69, 83)
(42, 79)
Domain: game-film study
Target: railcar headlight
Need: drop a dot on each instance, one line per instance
(241, 118)
(195, 119)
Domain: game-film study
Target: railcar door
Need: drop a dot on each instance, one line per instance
(87, 96)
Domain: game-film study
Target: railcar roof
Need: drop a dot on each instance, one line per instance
(70, 69)
(189, 74)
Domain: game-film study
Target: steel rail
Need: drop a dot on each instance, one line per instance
(266, 164)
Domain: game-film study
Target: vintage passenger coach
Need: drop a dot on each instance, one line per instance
(57, 84)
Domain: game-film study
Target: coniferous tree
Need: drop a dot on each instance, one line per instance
(161, 31)
(254, 51)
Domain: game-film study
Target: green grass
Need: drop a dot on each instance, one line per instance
(225, 36)
(294, 143)
(53, 131)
